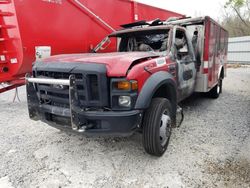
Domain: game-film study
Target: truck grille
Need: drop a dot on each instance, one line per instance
(90, 91)
(87, 88)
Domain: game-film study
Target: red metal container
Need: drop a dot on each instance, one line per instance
(66, 26)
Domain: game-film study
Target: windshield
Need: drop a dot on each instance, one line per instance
(138, 41)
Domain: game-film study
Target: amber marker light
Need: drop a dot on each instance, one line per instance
(127, 85)
(134, 85)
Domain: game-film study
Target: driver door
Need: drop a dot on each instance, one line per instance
(184, 56)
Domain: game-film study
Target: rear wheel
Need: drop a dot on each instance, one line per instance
(157, 126)
(216, 90)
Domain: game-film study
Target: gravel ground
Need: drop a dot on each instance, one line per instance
(210, 149)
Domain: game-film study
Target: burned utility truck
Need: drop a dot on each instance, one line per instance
(154, 66)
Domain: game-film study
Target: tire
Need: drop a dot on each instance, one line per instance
(157, 126)
(216, 90)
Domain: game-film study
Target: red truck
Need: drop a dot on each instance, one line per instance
(154, 66)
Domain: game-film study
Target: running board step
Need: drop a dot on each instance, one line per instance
(7, 39)
(7, 26)
(8, 52)
(6, 14)
(5, 2)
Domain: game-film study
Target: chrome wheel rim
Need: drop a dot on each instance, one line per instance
(218, 86)
(165, 126)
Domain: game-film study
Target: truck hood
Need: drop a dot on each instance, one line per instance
(117, 63)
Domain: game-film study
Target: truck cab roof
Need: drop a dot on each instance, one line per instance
(140, 29)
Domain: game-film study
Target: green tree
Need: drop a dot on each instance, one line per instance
(237, 17)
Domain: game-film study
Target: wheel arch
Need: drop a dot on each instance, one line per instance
(161, 84)
(221, 72)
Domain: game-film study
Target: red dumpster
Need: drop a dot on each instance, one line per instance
(60, 26)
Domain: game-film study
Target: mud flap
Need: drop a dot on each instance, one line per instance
(179, 116)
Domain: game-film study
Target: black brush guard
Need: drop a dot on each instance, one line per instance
(76, 97)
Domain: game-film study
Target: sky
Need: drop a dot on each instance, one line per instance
(194, 8)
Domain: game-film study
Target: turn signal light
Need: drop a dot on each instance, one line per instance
(134, 85)
(123, 85)
(127, 85)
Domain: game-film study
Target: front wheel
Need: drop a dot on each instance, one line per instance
(157, 126)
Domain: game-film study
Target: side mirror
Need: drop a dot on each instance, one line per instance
(106, 44)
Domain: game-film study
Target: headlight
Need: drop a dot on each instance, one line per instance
(123, 93)
(124, 101)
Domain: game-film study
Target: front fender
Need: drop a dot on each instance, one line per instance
(152, 84)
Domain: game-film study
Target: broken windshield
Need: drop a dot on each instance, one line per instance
(138, 41)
